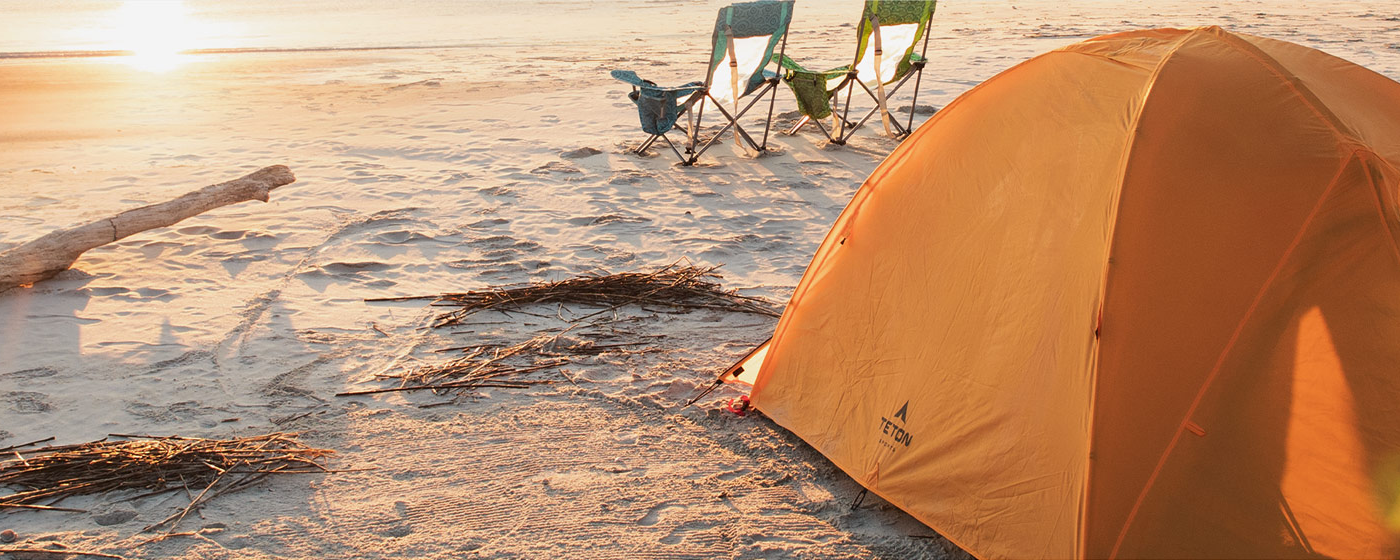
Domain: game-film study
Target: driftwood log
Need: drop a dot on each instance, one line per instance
(55, 252)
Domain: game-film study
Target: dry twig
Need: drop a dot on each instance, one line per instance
(676, 286)
(57, 551)
(481, 366)
(157, 464)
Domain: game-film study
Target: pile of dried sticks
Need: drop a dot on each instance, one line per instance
(481, 366)
(211, 467)
(675, 286)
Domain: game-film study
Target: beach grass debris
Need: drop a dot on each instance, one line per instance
(55, 552)
(479, 367)
(506, 367)
(211, 467)
(677, 286)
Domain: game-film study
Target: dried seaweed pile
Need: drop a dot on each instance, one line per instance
(481, 366)
(675, 286)
(495, 365)
(156, 464)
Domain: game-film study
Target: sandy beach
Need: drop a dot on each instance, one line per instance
(438, 169)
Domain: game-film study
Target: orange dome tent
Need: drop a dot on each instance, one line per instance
(1136, 297)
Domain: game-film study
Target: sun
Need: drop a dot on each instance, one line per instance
(155, 31)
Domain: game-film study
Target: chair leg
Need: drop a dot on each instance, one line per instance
(914, 104)
(733, 122)
(683, 159)
(800, 123)
(842, 124)
(645, 145)
(903, 132)
(744, 136)
(772, 101)
(828, 134)
(872, 112)
(900, 131)
(734, 119)
(699, 116)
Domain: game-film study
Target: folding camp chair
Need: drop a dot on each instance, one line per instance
(888, 34)
(744, 38)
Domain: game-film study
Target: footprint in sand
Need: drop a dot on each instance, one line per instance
(226, 235)
(679, 533)
(654, 514)
(489, 222)
(352, 268)
(31, 373)
(166, 413)
(607, 219)
(196, 230)
(629, 177)
(401, 237)
(555, 167)
(583, 152)
(496, 191)
(26, 402)
(503, 242)
(455, 178)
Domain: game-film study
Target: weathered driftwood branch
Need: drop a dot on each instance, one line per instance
(53, 253)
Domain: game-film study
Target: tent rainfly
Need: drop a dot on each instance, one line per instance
(1136, 297)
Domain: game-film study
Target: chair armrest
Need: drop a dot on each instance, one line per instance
(638, 82)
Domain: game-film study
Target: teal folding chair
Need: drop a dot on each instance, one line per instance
(743, 42)
(889, 33)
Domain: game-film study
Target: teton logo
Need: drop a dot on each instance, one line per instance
(896, 431)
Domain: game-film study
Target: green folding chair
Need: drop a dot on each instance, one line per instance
(744, 39)
(889, 33)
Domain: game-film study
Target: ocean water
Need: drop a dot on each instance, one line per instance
(1364, 30)
(43, 28)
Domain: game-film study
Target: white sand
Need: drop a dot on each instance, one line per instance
(440, 170)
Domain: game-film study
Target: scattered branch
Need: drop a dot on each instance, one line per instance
(58, 551)
(675, 286)
(55, 252)
(157, 464)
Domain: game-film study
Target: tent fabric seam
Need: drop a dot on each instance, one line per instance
(1229, 346)
(1305, 94)
(1344, 136)
(824, 251)
(1134, 132)
(1380, 203)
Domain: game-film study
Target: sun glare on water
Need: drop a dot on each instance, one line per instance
(155, 31)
